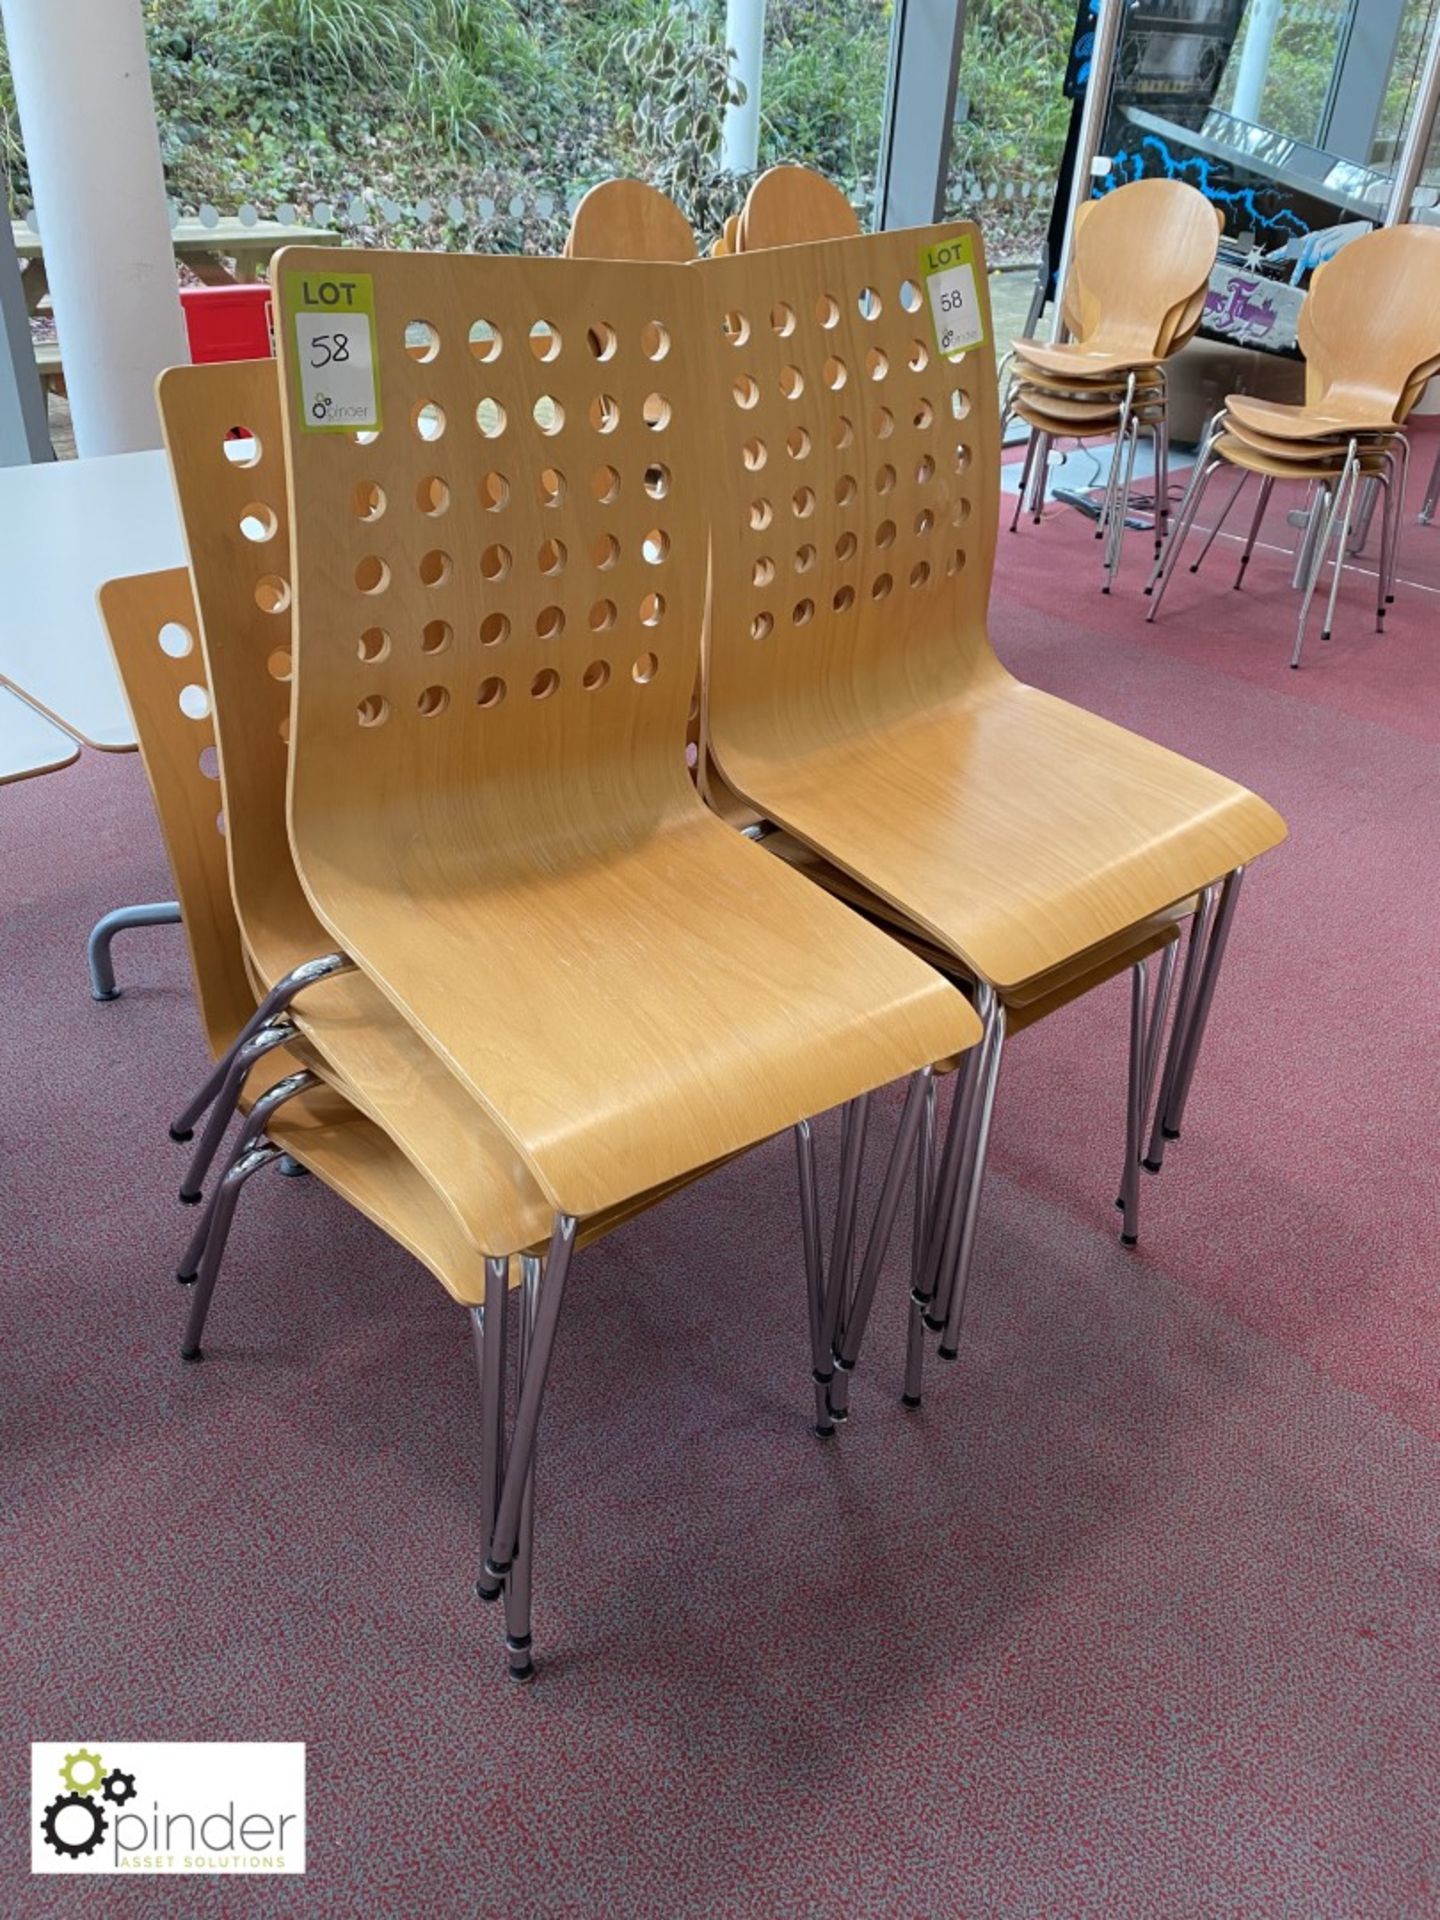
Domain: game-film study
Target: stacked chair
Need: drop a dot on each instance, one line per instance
(789, 206)
(470, 944)
(852, 697)
(1135, 294)
(1155, 939)
(1370, 333)
(787, 200)
(560, 951)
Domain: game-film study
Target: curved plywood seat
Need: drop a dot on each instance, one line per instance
(234, 504)
(1241, 453)
(151, 623)
(789, 205)
(1142, 260)
(629, 220)
(1370, 333)
(499, 827)
(861, 706)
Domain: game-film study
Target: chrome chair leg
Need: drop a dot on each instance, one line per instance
(1146, 1044)
(947, 1217)
(1040, 479)
(1184, 1009)
(1179, 1093)
(820, 1367)
(1432, 494)
(274, 1003)
(260, 1155)
(256, 1122)
(924, 1206)
(488, 1333)
(1164, 571)
(1134, 1117)
(505, 1535)
(846, 1349)
(1317, 539)
(1215, 531)
(1262, 501)
(1341, 543)
(1115, 540)
(854, 1128)
(222, 1109)
(518, 1638)
(959, 1282)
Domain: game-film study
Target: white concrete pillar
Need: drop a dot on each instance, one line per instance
(87, 117)
(745, 37)
(1260, 24)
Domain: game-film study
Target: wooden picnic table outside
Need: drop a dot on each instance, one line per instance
(204, 249)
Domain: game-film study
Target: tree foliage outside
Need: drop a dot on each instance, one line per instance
(435, 105)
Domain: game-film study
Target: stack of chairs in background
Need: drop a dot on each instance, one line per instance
(1370, 332)
(1135, 294)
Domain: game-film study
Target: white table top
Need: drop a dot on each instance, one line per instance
(66, 527)
(191, 235)
(29, 744)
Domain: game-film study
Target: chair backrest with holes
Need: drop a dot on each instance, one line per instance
(629, 220)
(1371, 319)
(498, 595)
(227, 456)
(789, 205)
(1141, 251)
(853, 534)
(151, 622)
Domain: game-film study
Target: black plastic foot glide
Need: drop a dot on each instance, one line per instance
(1151, 1166)
(110, 993)
(823, 1430)
(1129, 1240)
(948, 1353)
(910, 1400)
(192, 1353)
(1171, 1133)
(486, 1591)
(934, 1325)
(190, 1199)
(187, 1279)
(181, 1134)
(522, 1672)
(292, 1169)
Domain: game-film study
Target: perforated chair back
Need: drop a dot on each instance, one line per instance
(854, 538)
(151, 624)
(790, 205)
(629, 220)
(1370, 321)
(226, 444)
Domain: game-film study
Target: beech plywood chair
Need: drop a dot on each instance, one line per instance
(791, 203)
(500, 828)
(233, 499)
(1135, 294)
(629, 220)
(295, 1102)
(853, 696)
(1370, 333)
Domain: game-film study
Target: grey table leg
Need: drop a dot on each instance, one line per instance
(160, 913)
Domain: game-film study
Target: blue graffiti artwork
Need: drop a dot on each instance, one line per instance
(1200, 171)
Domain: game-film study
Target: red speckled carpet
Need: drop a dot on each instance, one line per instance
(1137, 1617)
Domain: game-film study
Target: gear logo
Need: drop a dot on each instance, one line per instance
(76, 1821)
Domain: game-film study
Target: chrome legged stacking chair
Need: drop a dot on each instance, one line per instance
(1370, 332)
(1136, 294)
(853, 699)
(489, 806)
